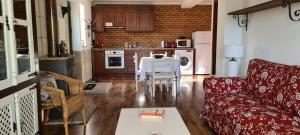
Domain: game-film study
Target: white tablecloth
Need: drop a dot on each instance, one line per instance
(146, 66)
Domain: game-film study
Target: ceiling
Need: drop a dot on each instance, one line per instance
(183, 3)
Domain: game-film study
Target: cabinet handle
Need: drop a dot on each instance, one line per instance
(7, 23)
(32, 74)
(32, 88)
(15, 127)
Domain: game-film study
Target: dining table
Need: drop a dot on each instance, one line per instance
(145, 67)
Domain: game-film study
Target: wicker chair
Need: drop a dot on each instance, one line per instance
(67, 104)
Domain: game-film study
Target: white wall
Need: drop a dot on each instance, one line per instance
(271, 34)
(82, 50)
(41, 28)
(228, 31)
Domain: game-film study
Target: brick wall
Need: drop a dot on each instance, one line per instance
(170, 22)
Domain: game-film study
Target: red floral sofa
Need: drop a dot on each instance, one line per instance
(267, 102)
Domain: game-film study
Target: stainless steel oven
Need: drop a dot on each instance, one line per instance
(114, 59)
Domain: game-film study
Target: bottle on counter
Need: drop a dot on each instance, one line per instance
(162, 44)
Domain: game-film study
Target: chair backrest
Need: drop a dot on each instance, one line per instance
(165, 54)
(162, 66)
(136, 63)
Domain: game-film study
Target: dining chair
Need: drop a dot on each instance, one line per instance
(136, 71)
(162, 70)
(165, 54)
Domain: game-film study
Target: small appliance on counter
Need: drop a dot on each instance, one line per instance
(169, 45)
(98, 44)
(183, 43)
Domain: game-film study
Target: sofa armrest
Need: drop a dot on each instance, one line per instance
(218, 85)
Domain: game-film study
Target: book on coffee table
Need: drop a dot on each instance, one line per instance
(151, 113)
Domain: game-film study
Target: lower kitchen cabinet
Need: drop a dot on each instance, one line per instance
(98, 62)
(129, 66)
(129, 62)
(19, 112)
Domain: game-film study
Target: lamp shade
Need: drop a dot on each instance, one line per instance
(236, 51)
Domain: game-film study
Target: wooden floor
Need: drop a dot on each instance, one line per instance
(123, 95)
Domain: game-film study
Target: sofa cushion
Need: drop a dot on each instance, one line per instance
(240, 114)
(288, 97)
(264, 79)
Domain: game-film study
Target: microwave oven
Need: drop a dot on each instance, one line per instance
(183, 43)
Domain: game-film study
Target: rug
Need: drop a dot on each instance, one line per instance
(100, 88)
(75, 118)
(90, 86)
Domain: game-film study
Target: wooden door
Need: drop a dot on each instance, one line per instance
(119, 13)
(132, 19)
(108, 15)
(146, 19)
(97, 15)
(98, 61)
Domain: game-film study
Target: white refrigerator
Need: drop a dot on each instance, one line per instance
(202, 41)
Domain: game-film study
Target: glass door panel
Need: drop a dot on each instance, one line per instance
(23, 39)
(20, 9)
(3, 62)
(22, 46)
(5, 48)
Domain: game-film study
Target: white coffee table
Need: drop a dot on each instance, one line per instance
(131, 124)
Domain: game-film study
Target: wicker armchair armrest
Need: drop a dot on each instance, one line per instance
(76, 86)
(57, 96)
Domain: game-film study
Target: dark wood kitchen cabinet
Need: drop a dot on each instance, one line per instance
(108, 14)
(129, 61)
(97, 15)
(98, 62)
(114, 15)
(146, 19)
(132, 19)
(119, 14)
(139, 19)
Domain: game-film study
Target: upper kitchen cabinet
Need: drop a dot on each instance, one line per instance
(139, 19)
(119, 14)
(146, 19)
(97, 15)
(108, 16)
(132, 19)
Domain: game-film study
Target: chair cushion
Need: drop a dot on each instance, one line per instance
(63, 85)
(48, 80)
(264, 79)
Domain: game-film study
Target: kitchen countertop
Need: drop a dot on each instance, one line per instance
(145, 49)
